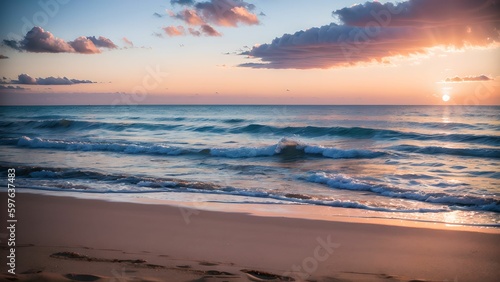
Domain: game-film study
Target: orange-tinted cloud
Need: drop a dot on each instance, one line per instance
(84, 45)
(38, 40)
(227, 13)
(174, 30)
(190, 16)
(374, 32)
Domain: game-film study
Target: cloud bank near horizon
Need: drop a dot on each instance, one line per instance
(481, 77)
(10, 87)
(26, 79)
(374, 32)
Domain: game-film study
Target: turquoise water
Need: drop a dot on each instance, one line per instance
(437, 163)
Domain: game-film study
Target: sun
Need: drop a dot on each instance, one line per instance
(446, 94)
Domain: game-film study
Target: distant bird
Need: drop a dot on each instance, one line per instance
(288, 90)
(181, 45)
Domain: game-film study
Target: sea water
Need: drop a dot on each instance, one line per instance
(432, 163)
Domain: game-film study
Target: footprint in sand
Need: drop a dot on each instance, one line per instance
(256, 275)
(82, 277)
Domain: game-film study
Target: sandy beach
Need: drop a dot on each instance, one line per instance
(70, 239)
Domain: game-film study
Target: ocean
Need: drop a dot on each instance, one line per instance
(425, 163)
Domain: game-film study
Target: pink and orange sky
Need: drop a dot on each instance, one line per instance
(250, 52)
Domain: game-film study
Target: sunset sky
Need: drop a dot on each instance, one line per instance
(253, 52)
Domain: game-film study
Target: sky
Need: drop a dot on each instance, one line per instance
(415, 52)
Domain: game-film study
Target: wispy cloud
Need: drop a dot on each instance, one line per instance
(38, 40)
(468, 78)
(128, 42)
(182, 2)
(205, 15)
(373, 32)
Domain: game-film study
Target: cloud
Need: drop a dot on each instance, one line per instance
(158, 34)
(60, 81)
(102, 42)
(468, 78)
(227, 12)
(84, 45)
(12, 44)
(38, 40)
(374, 32)
(206, 15)
(174, 30)
(26, 79)
(190, 16)
(182, 2)
(29, 80)
(10, 87)
(128, 42)
(210, 31)
(3, 57)
(194, 32)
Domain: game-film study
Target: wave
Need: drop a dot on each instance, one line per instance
(285, 148)
(91, 146)
(365, 133)
(73, 179)
(432, 150)
(340, 181)
(68, 124)
(229, 126)
(234, 120)
(143, 184)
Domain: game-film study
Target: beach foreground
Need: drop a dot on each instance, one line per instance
(69, 239)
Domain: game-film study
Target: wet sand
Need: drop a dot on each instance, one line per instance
(70, 239)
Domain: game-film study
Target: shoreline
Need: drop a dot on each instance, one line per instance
(66, 238)
(293, 211)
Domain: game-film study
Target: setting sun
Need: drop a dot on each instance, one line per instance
(446, 97)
